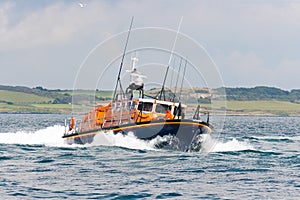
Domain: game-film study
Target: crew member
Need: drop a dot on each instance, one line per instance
(169, 115)
(72, 123)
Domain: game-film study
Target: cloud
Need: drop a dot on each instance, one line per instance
(249, 69)
(54, 24)
(4, 8)
(248, 39)
(242, 68)
(287, 74)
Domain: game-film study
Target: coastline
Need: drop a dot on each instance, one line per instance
(261, 113)
(258, 101)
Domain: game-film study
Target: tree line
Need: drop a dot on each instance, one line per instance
(237, 94)
(262, 93)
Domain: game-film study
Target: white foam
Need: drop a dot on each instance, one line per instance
(214, 145)
(120, 140)
(50, 136)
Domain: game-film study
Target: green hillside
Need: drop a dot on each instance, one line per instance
(263, 107)
(259, 100)
(21, 97)
(97, 93)
(262, 93)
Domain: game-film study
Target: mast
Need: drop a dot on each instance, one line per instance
(182, 79)
(179, 69)
(121, 64)
(162, 91)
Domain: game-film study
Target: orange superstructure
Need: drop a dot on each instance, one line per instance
(127, 111)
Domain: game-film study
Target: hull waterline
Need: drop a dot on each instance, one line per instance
(184, 132)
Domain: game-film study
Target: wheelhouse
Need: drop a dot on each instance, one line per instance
(160, 107)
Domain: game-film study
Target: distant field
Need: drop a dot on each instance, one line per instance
(103, 94)
(30, 108)
(281, 108)
(20, 102)
(20, 97)
(44, 108)
(263, 105)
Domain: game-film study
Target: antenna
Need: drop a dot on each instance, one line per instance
(121, 64)
(171, 56)
(182, 78)
(171, 84)
(179, 69)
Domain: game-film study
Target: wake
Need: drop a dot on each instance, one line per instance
(52, 136)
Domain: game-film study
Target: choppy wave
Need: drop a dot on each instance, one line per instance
(276, 138)
(241, 159)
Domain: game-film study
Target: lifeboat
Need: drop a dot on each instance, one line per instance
(147, 117)
(144, 116)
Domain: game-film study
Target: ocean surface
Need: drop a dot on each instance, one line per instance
(252, 158)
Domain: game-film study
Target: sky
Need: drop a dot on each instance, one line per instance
(252, 42)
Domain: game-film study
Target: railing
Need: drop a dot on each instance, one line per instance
(120, 113)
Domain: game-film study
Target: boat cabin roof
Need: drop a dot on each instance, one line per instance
(169, 103)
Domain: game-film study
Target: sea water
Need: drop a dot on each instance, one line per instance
(252, 158)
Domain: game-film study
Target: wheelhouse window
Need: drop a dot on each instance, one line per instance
(161, 108)
(145, 106)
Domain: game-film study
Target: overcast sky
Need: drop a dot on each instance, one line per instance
(43, 43)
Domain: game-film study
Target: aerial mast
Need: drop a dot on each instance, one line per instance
(182, 79)
(162, 91)
(121, 64)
